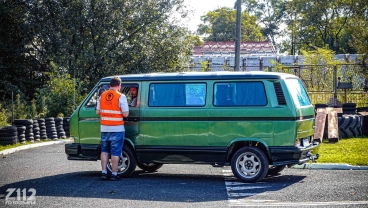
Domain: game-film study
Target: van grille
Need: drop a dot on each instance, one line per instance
(279, 93)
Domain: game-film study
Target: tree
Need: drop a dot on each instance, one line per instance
(16, 75)
(314, 24)
(269, 14)
(359, 28)
(219, 25)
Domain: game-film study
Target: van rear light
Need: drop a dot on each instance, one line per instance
(297, 143)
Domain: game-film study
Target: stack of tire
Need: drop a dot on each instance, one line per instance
(28, 123)
(350, 125)
(8, 135)
(59, 128)
(66, 126)
(50, 128)
(42, 126)
(21, 133)
(349, 108)
(36, 130)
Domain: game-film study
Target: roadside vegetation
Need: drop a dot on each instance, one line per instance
(352, 151)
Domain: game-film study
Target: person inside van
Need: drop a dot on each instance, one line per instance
(134, 93)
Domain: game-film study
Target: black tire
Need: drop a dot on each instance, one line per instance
(274, 170)
(354, 125)
(249, 164)
(346, 121)
(8, 138)
(8, 129)
(342, 134)
(21, 128)
(24, 122)
(9, 134)
(127, 163)
(149, 167)
(14, 141)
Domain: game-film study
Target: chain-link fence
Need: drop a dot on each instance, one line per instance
(332, 85)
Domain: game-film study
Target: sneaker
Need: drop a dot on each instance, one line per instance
(114, 178)
(104, 176)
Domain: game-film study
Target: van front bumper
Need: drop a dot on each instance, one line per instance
(88, 152)
(294, 155)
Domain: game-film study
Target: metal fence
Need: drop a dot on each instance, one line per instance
(332, 85)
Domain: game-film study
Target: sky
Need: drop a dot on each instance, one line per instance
(201, 7)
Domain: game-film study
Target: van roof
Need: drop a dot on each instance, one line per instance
(201, 76)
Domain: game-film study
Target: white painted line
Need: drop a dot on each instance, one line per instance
(232, 195)
(252, 203)
(237, 188)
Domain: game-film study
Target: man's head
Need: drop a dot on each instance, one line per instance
(134, 91)
(115, 82)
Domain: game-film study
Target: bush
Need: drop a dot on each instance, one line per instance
(3, 117)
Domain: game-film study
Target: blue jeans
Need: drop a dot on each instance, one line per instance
(112, 142)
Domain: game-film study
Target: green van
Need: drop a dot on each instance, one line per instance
(256, 122)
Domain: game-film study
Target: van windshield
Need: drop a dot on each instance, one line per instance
(298, 92)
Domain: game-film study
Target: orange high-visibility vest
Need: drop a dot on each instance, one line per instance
(110, 113)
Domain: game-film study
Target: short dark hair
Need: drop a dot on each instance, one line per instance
(115, 81)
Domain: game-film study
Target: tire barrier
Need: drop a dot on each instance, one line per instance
(21, 133)
(50, 128)
(28, 123)
(59, 128)
(42, 126)
(350, 126)
(8, 135)
(36, 130)
(66, 126)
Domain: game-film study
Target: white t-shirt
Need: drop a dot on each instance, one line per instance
(123, 105)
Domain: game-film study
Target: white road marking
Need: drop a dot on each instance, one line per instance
(235, 200)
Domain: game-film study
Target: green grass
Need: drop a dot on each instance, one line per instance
(352, 151)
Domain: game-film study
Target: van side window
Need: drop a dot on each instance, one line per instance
(177, 95)
(131, 93)
(92, 102)
(239, 94)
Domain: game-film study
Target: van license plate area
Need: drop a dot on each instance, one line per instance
(306, 142)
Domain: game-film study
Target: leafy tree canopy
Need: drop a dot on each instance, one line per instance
(219, 25)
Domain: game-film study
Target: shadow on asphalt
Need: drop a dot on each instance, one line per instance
(144, 186)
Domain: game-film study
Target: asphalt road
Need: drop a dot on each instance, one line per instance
(58, 182)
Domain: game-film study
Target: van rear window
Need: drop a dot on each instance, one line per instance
(298, 92)
(177, 95)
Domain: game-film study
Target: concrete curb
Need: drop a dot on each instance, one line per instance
(12, 150)
(329, 166)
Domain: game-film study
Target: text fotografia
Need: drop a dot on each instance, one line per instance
(23, 196)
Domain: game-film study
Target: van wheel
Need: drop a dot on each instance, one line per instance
(249, 164)
(127, 163)
(149, 167)
(275, 169)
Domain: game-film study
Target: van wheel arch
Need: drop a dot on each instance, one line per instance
(240, 144)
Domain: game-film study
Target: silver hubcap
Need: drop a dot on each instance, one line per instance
(123, 163)
(248, 164)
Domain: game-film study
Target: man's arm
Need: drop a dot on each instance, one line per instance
(126, 113)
